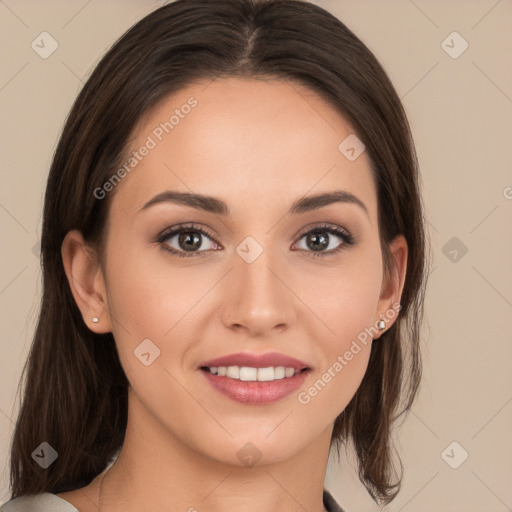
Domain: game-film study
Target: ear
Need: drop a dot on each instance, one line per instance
(86, 281)
(392, 287)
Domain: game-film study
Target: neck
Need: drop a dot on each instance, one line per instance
(157, 471)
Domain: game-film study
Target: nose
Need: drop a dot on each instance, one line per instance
(257, 297)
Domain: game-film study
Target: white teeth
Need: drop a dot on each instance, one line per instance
(288, 372)
(233, 372)
(266, 374)
(279, 372)
(247, 373)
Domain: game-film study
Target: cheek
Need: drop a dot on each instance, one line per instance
(345, 298)
(149, 299)
(149, 305)
(146, 294)
(348, 311)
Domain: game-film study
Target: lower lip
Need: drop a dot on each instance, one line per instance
(255, 392)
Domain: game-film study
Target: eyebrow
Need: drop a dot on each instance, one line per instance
(219, 207)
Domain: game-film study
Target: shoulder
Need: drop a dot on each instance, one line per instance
(330, 503)
(44, 502)
(47, 502)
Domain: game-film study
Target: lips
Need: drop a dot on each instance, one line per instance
(253, 392)
(256, 393)
(256, 361)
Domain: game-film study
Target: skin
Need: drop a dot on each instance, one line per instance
(259, 145)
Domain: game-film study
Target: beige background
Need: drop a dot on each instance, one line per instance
(461, 114)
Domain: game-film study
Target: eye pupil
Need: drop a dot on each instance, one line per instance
(185, 238)
(318, 241)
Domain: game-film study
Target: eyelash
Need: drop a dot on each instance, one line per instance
(348, 239)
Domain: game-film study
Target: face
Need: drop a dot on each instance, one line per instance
(253, 272)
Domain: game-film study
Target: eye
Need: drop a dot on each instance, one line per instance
(188, 240)
(321, 238)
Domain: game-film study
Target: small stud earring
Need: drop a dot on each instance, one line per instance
(95, 319)
(381, 325)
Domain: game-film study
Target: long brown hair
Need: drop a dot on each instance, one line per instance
(74, 395)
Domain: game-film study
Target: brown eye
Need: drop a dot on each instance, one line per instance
(186, 241)
(321, 240)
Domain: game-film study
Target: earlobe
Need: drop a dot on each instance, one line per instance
(391, 291)
(86, 281)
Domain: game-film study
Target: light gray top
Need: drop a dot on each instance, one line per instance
(47, 502)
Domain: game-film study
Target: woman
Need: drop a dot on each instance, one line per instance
(234, 266)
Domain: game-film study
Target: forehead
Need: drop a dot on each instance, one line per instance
(246, 141)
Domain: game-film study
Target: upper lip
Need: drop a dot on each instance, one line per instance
(256, 361)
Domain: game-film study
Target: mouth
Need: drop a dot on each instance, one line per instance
(248, 362)
(255, 379)
(254, 374)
